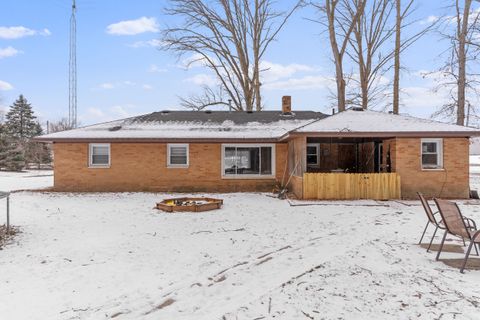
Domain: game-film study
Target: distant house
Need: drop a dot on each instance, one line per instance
(353, 154)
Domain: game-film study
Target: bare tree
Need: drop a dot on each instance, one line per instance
(60, 125)
(373, 52)
(398, 40)
(462, 33)
(456, 74)
(341, 18)
(371, 33)
(208, 98)
(230, 37)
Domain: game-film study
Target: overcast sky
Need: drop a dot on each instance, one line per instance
(121, 72)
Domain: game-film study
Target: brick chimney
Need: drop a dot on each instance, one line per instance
(286, 104)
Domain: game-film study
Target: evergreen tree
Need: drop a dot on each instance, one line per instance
(16, 147)
(20, 120)
(3, 145)
(11, 153)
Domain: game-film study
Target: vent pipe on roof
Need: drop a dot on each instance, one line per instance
(286, 104)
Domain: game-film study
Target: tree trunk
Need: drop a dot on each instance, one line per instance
(337, 56)
(362, 68)
(396, 68)
(341, 88)
(462, 61)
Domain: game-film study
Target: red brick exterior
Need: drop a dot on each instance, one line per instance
(450, 182)
(143, 167)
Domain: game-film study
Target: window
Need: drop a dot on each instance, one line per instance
(99, 155)
(432, 153)
(313, 153)
(177, 155)
(245, 161)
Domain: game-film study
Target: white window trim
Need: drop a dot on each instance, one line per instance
(248, 176)
(439, 142)
(187, 146)
(90, 155)
(317, 146)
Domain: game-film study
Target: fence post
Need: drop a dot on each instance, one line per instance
(8, 214)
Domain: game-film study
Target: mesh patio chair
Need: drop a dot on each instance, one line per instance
(431, 220)
(456, 224)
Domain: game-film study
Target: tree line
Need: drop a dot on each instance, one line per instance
(231, 38)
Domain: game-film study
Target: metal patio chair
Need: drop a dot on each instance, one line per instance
(431, 220)
(456, 224)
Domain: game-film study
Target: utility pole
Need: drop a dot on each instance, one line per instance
(72, 69)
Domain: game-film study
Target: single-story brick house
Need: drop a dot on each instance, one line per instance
(221, 151)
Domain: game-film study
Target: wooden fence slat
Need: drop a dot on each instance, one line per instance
(351, 186)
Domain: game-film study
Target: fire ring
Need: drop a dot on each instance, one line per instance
(189, 204)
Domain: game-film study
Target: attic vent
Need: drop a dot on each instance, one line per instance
(357, 108)
(116, 128)
(208, 111)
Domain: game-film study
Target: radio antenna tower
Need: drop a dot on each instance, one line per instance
(72, 69)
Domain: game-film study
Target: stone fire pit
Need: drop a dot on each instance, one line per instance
(189, 204)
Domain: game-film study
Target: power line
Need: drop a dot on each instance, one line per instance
(72, 69)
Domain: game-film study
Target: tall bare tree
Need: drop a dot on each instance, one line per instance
(371, 33)
(457, 75)
(398, 40)
(341, 18)
(462, 21)
(230, 37)
(373, 53)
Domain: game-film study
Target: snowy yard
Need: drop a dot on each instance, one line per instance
(102, 256)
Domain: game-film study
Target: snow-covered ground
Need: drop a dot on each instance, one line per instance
(33, 179)
(475, 172)
(102, 256)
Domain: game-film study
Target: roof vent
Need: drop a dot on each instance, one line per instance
(357, 108)
(208, 111)
(249, 111)
(116, 128)
(165, 111)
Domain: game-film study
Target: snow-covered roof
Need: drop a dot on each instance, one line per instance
(356, 122)
(267, 125)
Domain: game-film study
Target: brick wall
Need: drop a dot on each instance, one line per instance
(451, 182)
(143, 167)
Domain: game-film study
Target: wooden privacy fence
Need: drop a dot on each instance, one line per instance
(348, 186)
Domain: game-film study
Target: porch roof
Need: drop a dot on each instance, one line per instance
(366, 123)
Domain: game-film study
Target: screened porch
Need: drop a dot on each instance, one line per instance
(342, 168)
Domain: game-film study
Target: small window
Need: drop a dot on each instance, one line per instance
(99, 155)
(177, 155)
(432, 153)
(313, 158)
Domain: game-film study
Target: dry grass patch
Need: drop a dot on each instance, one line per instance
(6, 237)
